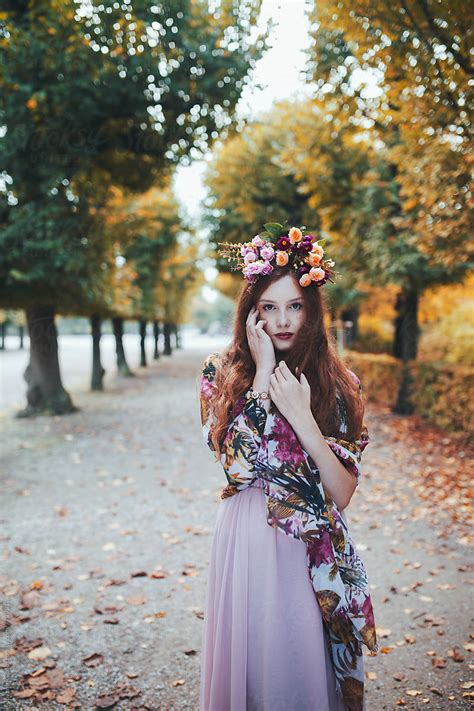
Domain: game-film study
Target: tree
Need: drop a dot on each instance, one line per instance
(156, 225)
(249, 186)
(93, 96)
(178, 282)
(419, 56)
(412, 217)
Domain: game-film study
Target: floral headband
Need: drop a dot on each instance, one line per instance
(299, 248)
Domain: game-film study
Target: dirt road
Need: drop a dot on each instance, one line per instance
(107, 518)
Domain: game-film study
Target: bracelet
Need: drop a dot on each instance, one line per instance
(255, 394)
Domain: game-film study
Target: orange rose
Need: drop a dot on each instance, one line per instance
(305, 280)
(313, 259)
(318, 250)
(281, 258)
(295, 235)
(316, 273)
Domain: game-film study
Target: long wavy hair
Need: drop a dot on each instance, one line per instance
(334, 392)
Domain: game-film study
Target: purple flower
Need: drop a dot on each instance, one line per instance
(368, 611)
(320, 549)
(283, 243)
(286, 451)
(306, 246)
(303, 269)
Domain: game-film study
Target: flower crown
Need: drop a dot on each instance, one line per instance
(299, 248)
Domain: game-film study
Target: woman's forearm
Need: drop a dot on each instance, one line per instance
(336, 480)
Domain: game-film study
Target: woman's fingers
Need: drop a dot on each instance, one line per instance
(278, 376)
(251, 314)
(285, 371)
(251, 320)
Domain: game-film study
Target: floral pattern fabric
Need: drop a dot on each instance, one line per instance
(263, 445)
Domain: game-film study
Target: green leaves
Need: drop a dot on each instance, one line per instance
(274, 228)
(89, 113)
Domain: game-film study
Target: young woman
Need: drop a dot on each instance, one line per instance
(287, 605)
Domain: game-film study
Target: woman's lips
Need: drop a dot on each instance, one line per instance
(284, 337)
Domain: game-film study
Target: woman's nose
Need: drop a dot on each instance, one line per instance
(283, 319)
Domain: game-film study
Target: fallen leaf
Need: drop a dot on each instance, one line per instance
(39, 653)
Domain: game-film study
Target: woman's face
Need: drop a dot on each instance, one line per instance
(283, 307)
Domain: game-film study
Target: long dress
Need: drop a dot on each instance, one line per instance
(255, 656)
(264, 644)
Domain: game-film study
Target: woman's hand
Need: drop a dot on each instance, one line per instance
(260, 343)
(291, 396)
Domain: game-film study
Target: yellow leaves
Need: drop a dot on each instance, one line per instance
(31, 104)
(410, 204)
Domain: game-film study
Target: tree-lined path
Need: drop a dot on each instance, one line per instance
(107, 523)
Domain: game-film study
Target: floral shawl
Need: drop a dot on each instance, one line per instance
(264, 445)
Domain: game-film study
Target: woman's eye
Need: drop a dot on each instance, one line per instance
(265, 306)
(298, 305)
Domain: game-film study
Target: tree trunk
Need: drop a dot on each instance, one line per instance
(177, 336)
(122, 365)
(21, 332)
(351, 332)
(3, 328)
(45, 393)
(167, 334)
(407, 331)
(397, 348)
(98, 371)
(405, 346)
(156, 334)
(142, 342)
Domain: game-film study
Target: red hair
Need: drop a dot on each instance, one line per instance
(314, 353)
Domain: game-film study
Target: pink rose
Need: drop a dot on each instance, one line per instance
(267, 252)
(267, 268)
(253, 268)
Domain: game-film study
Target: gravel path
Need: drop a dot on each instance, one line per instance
(106, 527)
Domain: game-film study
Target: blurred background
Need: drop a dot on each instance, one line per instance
(135, 136)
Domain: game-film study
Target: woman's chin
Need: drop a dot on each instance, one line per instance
(281, 345)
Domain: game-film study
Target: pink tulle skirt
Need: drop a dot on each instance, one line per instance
(263, 644)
